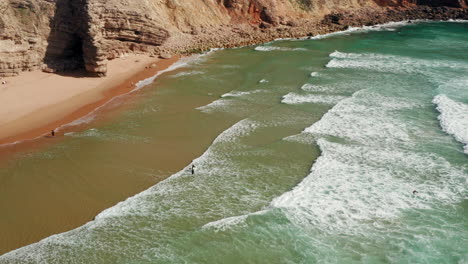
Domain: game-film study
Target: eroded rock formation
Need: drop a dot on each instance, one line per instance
(61, 35)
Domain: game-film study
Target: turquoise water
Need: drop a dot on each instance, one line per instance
(323, 143)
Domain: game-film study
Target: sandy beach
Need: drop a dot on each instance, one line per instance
(265, 153)
(34, 103)
(31, 105)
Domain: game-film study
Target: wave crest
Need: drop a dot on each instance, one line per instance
(453, 118)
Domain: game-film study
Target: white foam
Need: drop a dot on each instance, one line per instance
(390, 26)
(294, 98)
(229, 222)
(139, 205)
(453, 118)
(263, 81)
(228, 104)
(343, 55)
(84, 120)
(221, 105)
(371, 173)
(240, 93)
(390, 63)
(266, 48)
(239, 130)
(308, 87)
(314, 74)
(179, 64)
(92, 115)
(367, 118)
(273, 48)
(226, 223)
(458, 20)
(187, 73)
(350, 185)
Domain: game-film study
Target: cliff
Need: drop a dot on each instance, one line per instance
(61, 35)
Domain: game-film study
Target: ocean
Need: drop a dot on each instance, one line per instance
(344, 148)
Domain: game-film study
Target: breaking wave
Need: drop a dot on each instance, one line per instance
(240, 93)
(294, 98)
(273, 48)
(453, 118)
(367, 170)
(390, 63)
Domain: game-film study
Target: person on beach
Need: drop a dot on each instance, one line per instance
(193, 169)
(52, 133)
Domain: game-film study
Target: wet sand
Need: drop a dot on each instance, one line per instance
(34, 103)
(35, 206)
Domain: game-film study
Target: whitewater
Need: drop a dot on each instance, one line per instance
(352, 148)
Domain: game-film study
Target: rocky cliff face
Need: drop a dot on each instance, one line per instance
(61, 35)
(23, 28)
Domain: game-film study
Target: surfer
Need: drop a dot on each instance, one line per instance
(415, 192)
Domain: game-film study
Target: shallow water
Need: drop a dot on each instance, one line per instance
(313, 151)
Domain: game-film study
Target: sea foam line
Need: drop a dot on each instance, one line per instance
(390, 63)
(453, 118)
(179, 64)
(274, 48)
(88, 118)
(139, 85)
(240, 93)
(135, 205)
(308, 87)
(217, 105)
(372, 174)
(390, 26)
(294, 98)
(458, 20)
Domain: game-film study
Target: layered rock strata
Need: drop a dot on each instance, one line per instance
(62, 35)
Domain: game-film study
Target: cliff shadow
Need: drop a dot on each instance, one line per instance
(64, 53)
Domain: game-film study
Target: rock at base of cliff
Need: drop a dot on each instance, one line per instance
(165, 55)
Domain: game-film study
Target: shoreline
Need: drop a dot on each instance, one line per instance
(266, 154)
(108, 95)
(77, 106)
(63, 219)
(307, 29)
(312, 27)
